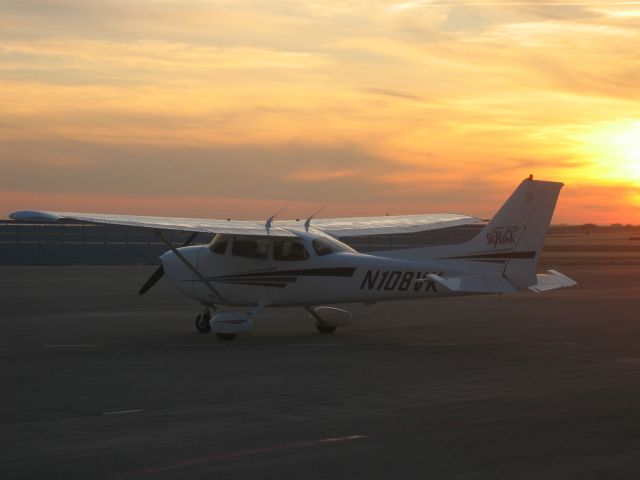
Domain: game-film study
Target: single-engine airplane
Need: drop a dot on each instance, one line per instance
(302, 263)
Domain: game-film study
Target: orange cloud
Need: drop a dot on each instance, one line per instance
(320, 175)
(441, 104)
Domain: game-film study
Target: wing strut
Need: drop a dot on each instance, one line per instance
(188, 264)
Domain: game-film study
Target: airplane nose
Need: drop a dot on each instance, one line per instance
(180, 275)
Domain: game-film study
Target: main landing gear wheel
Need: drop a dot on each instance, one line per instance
(226, 336)
(325, 328)
(202, 322)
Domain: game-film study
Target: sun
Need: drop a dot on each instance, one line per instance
(614, 150)
(625, 146)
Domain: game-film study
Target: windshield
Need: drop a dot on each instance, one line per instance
(326, 246)
(219, 244)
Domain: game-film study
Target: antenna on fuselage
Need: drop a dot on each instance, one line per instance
(269, 222)
(307, 222)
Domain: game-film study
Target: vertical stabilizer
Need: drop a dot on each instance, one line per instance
(513, 240)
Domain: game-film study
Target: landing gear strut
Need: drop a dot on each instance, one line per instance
(327, 319)
(202, 321)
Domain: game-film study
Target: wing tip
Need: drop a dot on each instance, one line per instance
(34, 215)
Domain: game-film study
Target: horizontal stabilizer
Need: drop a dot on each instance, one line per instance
(551, 281)
(475, 283)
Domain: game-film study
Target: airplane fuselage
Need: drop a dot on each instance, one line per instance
(340, 277)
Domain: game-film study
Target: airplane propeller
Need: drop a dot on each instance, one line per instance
(159, 273)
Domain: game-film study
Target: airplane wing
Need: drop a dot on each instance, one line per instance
(357, 226)
(337, 227)
(233, 227)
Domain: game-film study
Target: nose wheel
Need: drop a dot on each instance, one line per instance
(202, 322)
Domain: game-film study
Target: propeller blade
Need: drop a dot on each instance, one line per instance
(153, 279)
(159, 273)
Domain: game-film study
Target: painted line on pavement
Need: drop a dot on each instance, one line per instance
(122, 412)
(78, 345)
(238, 454)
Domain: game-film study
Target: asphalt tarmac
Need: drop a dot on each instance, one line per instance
(97, 382)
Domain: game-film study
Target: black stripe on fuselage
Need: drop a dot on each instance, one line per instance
(260, 278)
(309, 272)
(280, 278)
(495, 256)
(255, 284)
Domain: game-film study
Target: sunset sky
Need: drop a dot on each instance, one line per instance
(233, 109)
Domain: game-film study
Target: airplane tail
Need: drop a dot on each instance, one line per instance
(512, 241)
(504, 256)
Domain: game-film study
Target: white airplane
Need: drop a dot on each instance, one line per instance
(302, 263)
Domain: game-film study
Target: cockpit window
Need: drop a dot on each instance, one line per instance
(219, 244)
(326, 246)
(289, 250)
(250, 247)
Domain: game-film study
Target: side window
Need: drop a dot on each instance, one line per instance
(219, 244)
(250, 247)
(289, 251)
